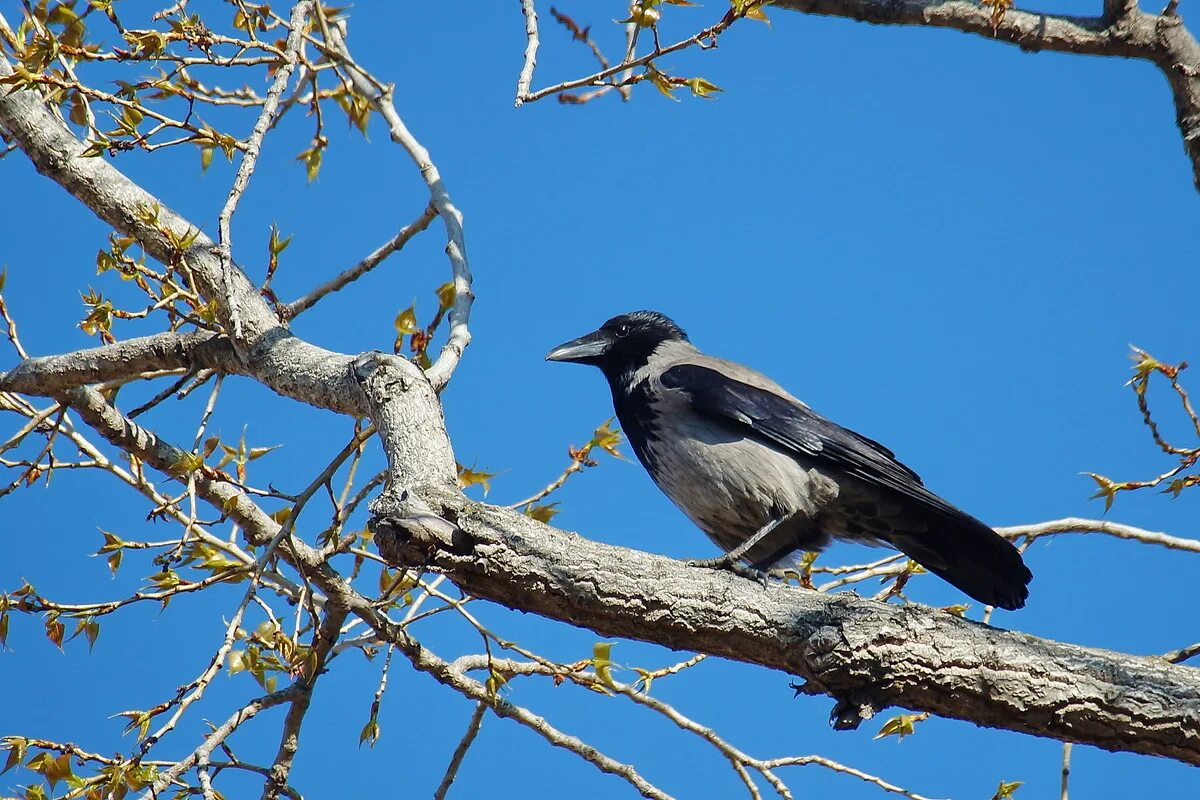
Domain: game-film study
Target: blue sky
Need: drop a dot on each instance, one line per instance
(941, 242)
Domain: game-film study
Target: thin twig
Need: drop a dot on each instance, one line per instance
(460, 752)
(377, 257)
(1080, 525)
(709, 33)
(1183, 653)
(253, 148)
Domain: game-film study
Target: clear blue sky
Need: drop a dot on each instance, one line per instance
(942, 242)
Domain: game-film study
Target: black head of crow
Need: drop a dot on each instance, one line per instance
(766, 477)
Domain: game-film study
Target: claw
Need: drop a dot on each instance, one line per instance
(731, 565)
(731, 560)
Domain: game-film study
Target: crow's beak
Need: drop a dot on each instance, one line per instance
(584, 350)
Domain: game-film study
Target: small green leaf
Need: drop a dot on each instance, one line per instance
(259, 452)
(112, 543)
(495, 682)
(542, 513)
(277, 245)
(89, 628)
(900, 726)
(370, 733)
(703, 88)
(469, 476)
(1005, 790)
(445, 295)
(406, 321)
(1108, 489)
(16, 746)
(602, 662)
(54, 629)
(662, 82)
(607, 438)
(645, 678)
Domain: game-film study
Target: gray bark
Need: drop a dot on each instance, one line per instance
(867, 655)
(189, 351)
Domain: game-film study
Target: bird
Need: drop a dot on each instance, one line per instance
(765, 477)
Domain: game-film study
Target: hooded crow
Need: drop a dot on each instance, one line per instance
(766, 477)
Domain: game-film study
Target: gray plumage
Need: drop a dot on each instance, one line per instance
(735, 451)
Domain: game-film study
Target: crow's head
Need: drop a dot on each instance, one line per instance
(621, 344)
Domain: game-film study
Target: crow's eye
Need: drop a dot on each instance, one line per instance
(622, 330)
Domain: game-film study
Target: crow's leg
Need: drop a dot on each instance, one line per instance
(730, 560)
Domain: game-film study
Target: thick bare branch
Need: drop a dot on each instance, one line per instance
(866, 654)
(48, 375)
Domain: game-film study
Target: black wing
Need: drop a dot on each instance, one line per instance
(798, 429)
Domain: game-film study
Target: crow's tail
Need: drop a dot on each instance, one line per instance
(968, 554)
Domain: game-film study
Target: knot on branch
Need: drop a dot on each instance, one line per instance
(408, 414)
(382, 376)
(850, 712)
(416, 540)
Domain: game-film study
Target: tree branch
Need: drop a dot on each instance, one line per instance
(377, 257)
(456, 246)
(48, 375)
(1122, 31)
(289, 744)
(285, 363)
(865, 654)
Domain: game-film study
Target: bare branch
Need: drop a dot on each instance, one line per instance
(377, 257)
(1183, 653)
(224, 248)
(48, 375)
(326, 637)
(1079, 525)
(219, 735)
(525, 79)
(456, 248)
(865, 654)
(708, 34)
(288, 365)
(460, 752)
(1123, 31)
(1066, 770)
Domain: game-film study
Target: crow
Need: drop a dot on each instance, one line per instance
(766, 477)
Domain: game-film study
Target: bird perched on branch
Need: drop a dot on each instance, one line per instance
(766, 477)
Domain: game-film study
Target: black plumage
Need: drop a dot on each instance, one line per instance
(739, 455)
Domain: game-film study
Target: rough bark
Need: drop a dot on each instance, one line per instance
(866, 654)
(46, 375)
